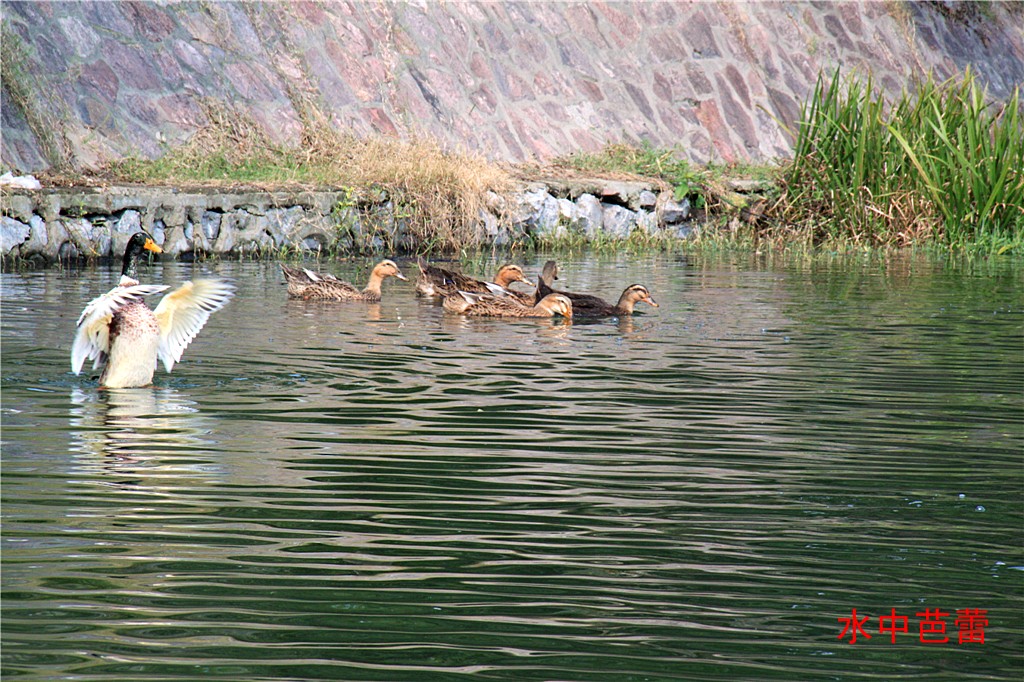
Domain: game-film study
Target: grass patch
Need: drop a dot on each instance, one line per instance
(644, 161)
(939, 164)
(435, 195)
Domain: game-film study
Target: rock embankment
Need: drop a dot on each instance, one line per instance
(71, 223)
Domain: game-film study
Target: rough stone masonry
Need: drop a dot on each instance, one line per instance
(513, 80)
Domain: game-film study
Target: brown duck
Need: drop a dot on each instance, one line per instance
(594, 306)
(489, 305)
(435, 281)
(309, 285)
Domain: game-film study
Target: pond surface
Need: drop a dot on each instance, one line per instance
(386, 492)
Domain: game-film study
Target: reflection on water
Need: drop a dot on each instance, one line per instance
(118, 427)
(353, 491)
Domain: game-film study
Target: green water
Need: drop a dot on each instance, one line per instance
(385, 492)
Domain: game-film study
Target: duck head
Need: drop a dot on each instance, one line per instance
(388, 268)
(137, 245)
(557, 304)
(511, 273)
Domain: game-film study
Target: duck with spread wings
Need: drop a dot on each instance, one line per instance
(124, 337)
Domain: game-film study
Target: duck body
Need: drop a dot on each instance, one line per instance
(309, 285)
(121, 334)
(488, 305)
(589, 305)
(436, 281)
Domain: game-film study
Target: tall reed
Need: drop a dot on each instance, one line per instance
(940, 163)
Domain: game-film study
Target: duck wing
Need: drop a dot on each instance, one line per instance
(184, 311)
(584, 302)
(92, 340)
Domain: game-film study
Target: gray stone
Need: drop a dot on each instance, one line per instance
(647, 199)
(19, 206)
(589, 214)
(747, 186)
(313, 244)
(674, 212)
(129, 223)
(12, 233)
(529, 204)
(176, 242)
(685, 231)
(547, 221)
(211, 224)
(618, 222)
(40, 237)
(624, 192)
(157, 232)
(646, 221)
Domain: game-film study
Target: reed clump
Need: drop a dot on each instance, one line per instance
(940, 164)
(436, 194)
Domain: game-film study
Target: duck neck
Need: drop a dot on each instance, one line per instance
(503, 279)
(130, 267)
(373, 286)
(626, 302)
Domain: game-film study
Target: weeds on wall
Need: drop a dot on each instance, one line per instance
(435, 195)
(31, 99)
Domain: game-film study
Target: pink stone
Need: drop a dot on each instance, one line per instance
(380, 121)
(102, 78)
(627, 30)
(711, 119)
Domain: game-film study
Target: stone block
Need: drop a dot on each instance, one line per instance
(128, 224)
(211, 221)
(19, 206)
(589, 214)
(13, 233)
(646, 221)
(647, 199)
(618, 222)
(674, 212)
(547, 221)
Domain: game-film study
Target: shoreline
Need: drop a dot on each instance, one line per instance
(59, 224)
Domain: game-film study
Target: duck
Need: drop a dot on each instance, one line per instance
(309, 285)
(594, 306)
(435, 281)
(121, 334)
(489, 305)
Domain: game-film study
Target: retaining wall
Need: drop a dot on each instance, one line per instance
(61, 224)
(94, 80)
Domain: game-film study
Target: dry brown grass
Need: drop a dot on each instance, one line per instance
(436, 194)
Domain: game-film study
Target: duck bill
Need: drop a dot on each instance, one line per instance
(151, 245)
(652, 301)
(528, 283)
(401, 277)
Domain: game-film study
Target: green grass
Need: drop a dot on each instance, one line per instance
(940, 164)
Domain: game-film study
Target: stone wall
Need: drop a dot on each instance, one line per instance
(62, 224)
(95, 80)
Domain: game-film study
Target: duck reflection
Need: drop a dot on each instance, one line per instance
(116, 428)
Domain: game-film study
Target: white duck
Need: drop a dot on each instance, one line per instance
(119, 333)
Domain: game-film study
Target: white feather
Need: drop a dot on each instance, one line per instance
(497, 290)
(92, 341)
(183, 312)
